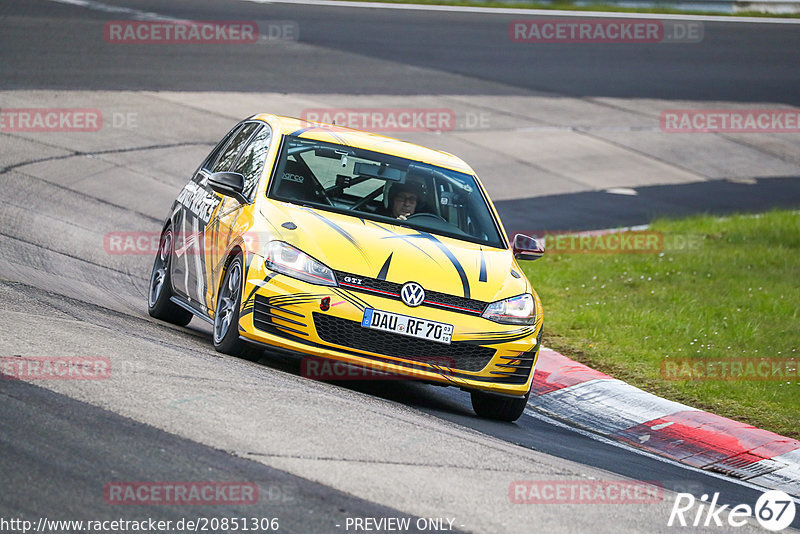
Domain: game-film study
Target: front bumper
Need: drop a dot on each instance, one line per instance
(286, 313)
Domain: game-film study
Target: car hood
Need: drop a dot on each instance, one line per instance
(363, 247)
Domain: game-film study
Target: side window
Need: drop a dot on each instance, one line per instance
(251, 162)
(228, 155)
(208, 164)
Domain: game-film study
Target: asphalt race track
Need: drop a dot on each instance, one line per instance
(563, 135)
(750, 62)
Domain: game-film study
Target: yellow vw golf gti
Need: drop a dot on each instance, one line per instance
(349, 247)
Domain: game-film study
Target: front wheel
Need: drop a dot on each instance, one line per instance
(226, 318)
(159, 304)
(498, 407)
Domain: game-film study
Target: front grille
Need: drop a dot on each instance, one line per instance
(392, 290)
(351, 334)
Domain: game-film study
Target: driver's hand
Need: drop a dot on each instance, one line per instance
(402, 217)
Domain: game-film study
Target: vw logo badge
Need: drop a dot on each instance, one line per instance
(412, 294)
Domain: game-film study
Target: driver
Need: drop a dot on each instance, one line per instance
(404, 199)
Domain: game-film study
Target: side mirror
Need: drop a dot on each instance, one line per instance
(230, 184)
(527, 248)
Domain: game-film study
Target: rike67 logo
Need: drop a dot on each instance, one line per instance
(774, 510)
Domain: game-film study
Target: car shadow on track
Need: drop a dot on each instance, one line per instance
(417, 394)
(445, 402)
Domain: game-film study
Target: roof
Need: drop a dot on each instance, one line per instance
(356, 138)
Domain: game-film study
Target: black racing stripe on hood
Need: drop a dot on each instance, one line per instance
(406, 238)
(344, 233)
(450, 256)
(385, 269)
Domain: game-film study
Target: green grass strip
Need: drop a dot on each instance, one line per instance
(712, 292)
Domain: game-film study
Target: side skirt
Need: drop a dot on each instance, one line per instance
(186, 305)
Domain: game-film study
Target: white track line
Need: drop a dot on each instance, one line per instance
(537, 12)
(148, 15)
(135, 14)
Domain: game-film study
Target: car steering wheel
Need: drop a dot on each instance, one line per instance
(426, 214)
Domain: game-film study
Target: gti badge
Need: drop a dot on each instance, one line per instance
(412, 294)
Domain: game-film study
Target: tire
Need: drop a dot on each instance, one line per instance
(159, 292)
(497, 407)
(226, 318)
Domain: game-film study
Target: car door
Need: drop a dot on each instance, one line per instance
(231, 220)
(197, 203)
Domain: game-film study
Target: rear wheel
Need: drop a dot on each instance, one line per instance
(159, 304)
(226, 318)
(498, 407)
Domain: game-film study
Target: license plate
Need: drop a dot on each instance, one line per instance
(407, 326)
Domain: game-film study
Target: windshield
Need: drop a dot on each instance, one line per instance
(378, 186)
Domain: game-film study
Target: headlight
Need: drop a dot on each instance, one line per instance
(284, 258)
(515, 310)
